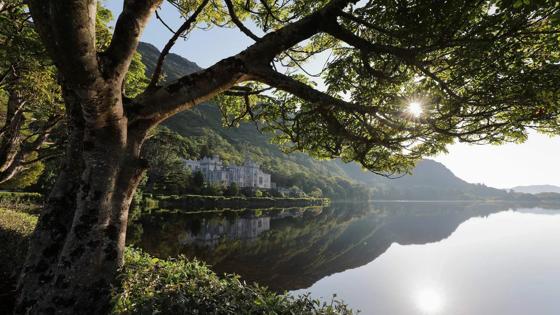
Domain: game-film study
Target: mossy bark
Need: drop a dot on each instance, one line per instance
(79, 241)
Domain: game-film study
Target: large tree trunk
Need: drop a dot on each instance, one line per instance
(79, 241)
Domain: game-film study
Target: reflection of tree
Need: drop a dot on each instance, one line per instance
(302, 247)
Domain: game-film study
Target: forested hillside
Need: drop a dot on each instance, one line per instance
(204, 134)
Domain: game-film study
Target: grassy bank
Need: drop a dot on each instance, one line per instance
(15, 229)
(147, 285)
(199, 202)
(21, 201)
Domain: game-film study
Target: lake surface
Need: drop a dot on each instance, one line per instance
(382, 258)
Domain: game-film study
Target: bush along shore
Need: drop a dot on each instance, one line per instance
(179, 286)
(199, 202)
(15, 229)
(22, 201)
(148, 285)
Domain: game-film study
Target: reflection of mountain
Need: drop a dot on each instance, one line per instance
(298, 251)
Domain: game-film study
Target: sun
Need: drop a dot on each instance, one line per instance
(415, 109)
(429, 301)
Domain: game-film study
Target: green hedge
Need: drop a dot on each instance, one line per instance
(199, 202)
(29, 202)
(15, 229)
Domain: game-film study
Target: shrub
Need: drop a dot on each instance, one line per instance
(15, 229)
(30, 202)
(152, 286)
(232, 190)
(316, 193)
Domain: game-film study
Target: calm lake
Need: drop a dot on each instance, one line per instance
(382, 258)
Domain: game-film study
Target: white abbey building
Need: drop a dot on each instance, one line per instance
(248, 175)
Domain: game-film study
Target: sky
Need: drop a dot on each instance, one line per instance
(534, 162)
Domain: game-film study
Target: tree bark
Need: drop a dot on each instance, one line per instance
(79, 240)
(55, 219)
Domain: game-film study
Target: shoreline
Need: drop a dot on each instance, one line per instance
(198, 202)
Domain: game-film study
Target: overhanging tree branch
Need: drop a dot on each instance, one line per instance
(192, 89)
(339, 32)
(307, 93)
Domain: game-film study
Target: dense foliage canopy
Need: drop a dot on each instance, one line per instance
(481, 71)
(30, 101)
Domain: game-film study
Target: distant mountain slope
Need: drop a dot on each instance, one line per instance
(175, 66)
(430, 179)
(537, 189)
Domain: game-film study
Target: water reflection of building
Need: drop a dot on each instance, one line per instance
(305, 249)
(294, 248)
(212, 231)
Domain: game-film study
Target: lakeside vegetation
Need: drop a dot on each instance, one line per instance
(148, 285)
(181, 286)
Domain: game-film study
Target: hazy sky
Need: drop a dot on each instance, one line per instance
(531, 163)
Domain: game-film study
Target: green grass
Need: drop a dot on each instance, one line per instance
(21, 201)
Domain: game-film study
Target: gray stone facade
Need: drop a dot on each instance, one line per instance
(214, 172)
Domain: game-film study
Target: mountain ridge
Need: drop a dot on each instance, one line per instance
(536, 189)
